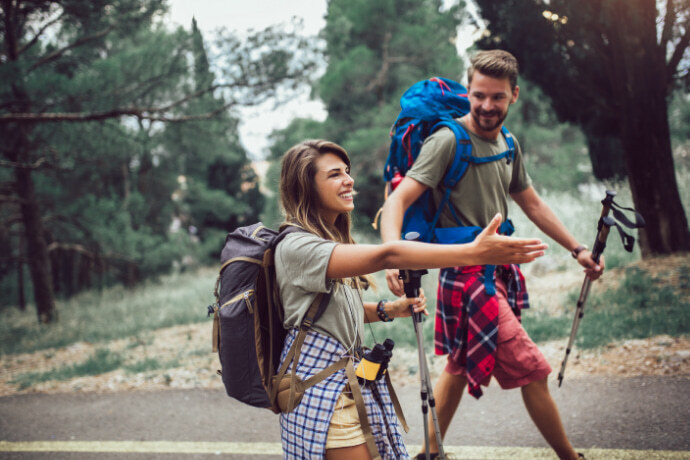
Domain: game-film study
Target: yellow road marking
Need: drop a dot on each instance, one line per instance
(274, 448)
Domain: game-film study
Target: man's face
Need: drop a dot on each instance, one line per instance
(490, 99)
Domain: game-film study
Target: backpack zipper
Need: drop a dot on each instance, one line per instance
(241, 295)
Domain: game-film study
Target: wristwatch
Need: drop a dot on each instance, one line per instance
(575, 252)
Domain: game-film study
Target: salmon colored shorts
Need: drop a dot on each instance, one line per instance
(518, 360)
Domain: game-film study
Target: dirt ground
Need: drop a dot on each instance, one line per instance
(186, 350)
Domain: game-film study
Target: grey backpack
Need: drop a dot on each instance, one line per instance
(248, 331)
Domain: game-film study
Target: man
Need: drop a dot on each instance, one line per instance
(473, 313)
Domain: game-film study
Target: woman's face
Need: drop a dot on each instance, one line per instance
(334, 186)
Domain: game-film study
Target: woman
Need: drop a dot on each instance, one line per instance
(317, 195)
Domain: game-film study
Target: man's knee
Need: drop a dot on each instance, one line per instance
(541, 385)
(453, 381)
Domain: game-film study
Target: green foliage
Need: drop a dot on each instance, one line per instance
(555, 153)
(375, 51)
(121, 194)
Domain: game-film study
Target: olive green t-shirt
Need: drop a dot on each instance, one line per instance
(483, 190)
(301, 261)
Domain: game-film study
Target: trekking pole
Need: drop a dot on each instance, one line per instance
(412, 282)
(603, 228)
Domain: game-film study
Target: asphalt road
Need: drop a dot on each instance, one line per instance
(631, 414)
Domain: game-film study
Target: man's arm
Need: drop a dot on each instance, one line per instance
(543, 217)
(392, 218)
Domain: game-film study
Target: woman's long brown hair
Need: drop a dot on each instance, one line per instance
(299, 196)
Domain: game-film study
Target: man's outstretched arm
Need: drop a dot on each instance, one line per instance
(543, 217)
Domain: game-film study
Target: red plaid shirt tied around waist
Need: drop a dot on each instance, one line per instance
(467, 316)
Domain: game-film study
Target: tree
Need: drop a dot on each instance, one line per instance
(78, 77)
(610, 67)
(375, 51)
(281, 140)
(220, 190)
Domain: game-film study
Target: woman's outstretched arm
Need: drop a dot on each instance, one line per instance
(488, 248)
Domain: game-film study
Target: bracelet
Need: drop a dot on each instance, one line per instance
(576, 252)
(381, 312)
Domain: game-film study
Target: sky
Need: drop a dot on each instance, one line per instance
(241, 16)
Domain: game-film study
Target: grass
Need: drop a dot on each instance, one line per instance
(643, 305)
(114, 313)
(101, 362)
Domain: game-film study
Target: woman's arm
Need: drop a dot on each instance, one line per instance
(349, 260)
(399, 308)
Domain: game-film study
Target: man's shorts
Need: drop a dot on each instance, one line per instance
(518, 360)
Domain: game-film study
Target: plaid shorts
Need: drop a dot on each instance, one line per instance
(303, 431)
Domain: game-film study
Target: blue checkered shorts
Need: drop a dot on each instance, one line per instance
(304, 431)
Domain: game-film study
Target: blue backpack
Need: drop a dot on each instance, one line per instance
(427, 106)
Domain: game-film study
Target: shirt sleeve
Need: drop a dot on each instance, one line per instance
(434, 159)
(304, 258)
(520, 180)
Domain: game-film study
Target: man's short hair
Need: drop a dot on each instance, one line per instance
(496, 64)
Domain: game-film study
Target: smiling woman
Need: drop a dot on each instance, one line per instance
(334, 186)
(323, 260)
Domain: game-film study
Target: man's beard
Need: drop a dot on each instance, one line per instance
(486, 125)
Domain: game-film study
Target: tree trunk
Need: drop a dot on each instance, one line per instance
(653, 183)
(37, 249)
(17, 143)
(21, 299)
(645, 132)
(34, 233)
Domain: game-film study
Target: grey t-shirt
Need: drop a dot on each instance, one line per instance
(301, 261)
(483, 190)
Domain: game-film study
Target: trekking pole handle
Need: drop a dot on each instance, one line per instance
(604, 225)
(603, 233)
(412, 282)
(607, 203)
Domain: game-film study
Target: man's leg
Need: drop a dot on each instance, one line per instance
(544, 413)
(447, 393)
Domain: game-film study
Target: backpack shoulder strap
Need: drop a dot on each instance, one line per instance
(511, 143)
(290, 228)
(463, 152)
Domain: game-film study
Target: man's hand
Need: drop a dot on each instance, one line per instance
(395, 284)
(592, 270)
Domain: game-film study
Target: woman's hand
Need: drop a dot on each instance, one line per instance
(491, 248)
(400, 308)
